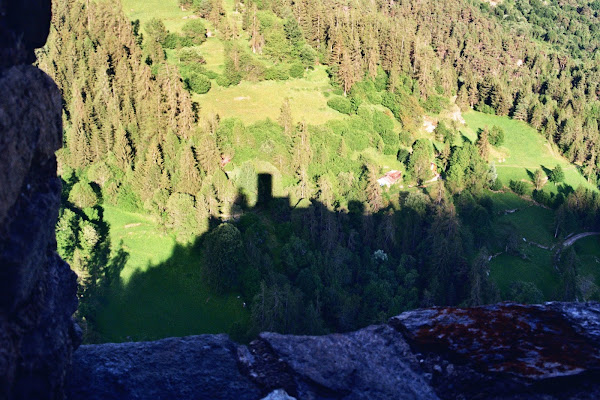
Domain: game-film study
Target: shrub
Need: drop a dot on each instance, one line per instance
(518, 187)
(223, 81)
(496, 136)
(296, 70)
(127, 200)
(497, 185)
(195, 31)
(223, 250)
(277, 73)
(542, 197)
(171, 41)
(403, 155)
(341, 104)
(435, 104)
(82, 195)
(198, 83)
(484, 108)
(390, 139)
(405, 138)
(191, 56)
(557, 175)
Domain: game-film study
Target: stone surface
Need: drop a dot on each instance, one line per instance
(507, 349)
(195, 367)
(278, 394)
(503, 351)
(373, 363)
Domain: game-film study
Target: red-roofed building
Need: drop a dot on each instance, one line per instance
(390, 178)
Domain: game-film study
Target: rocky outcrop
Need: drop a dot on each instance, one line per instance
(503, 351)
(37, 289)
(24, 26)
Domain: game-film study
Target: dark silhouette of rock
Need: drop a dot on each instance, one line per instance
(24, 27)
(37, 289)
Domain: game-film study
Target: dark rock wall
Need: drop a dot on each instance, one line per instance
(37, 289)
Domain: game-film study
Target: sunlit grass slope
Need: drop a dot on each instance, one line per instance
(140, 239)
(254, 101)
(524, 150)
(166, 10)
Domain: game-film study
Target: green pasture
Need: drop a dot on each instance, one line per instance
(534, 224)
(588, 252)
(161, 292)
(254, 101)
(139, 237)
(503, 201)
(536, 267)
(524, 151)
(166, 10)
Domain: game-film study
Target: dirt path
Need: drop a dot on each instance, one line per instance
(575, 238)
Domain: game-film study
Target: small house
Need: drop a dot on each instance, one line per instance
(390, 178)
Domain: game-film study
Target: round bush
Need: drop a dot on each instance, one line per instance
(198, 83)
(341, 104)
(297, 71)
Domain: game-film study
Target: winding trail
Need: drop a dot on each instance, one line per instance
(575, 238)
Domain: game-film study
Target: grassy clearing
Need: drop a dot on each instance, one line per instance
(166, 10)
(534, 223)
(162, 292)
(140, 238)
(503, 201)
(254, 101)
(588, 251)
(537, 268)
(524, 150)
(213, 52)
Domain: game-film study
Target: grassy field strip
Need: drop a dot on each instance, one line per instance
(166, 10)
(161, 292)
(525, 150)
(254, 101)
(140, 238)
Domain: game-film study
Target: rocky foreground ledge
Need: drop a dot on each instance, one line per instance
(502, 351)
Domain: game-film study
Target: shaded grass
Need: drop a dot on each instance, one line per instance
(507, 269)
(588, 251)
(503, 201)
(524, 150)
(162, 292)
(534, 224)
(213, 52)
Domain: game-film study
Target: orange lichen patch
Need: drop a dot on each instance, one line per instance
(531, 342)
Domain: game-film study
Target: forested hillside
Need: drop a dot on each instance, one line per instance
(256, 223)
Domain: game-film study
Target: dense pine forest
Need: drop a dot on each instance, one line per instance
(283, 224)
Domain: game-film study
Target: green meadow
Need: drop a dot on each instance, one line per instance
(254, 101)
(166, 10)
(161, 291)
(524, 150)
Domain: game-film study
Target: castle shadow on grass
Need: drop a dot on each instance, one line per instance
(313, 269)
